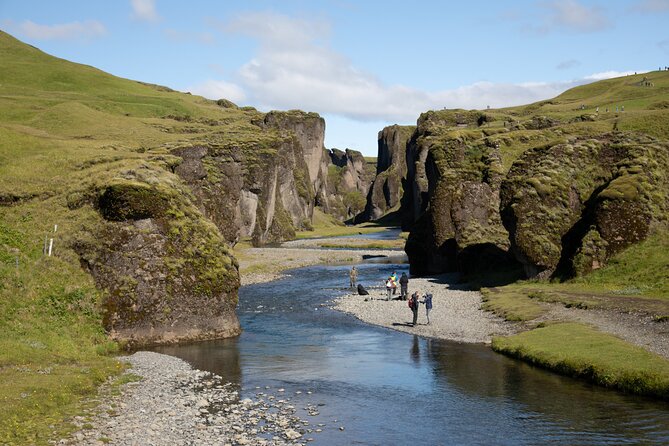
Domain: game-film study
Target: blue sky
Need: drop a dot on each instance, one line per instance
(361, 64)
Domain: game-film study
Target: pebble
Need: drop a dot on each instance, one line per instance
(175, 404)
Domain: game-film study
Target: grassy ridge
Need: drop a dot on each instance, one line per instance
(66, 129)
(580, 351)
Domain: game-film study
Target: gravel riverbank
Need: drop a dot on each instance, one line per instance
(456, 314)
(174, 404)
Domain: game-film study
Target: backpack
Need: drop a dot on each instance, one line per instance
(410, 303)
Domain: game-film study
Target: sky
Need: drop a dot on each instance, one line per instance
(362, 65)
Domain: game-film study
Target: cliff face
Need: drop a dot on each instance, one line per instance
(557, 195)
(391, 171)
(569, 207)
(454, 191)
(262, 187)
(345, 180)
(167, 273)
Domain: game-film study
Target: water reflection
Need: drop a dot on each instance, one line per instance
(572, 411)
(220, 357)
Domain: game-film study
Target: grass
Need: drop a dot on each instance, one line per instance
(636, 278)
(583, 352)
(512, 303)
(642, 269)
(53, 350)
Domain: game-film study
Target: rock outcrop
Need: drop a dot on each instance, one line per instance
(452, 202)
(562, 208)
(345, 180)
(391, 170)
(263, 187)
(570, 206)
(166, 271)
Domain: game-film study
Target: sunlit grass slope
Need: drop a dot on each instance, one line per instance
(65, 128)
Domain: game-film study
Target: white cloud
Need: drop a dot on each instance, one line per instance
(294, 68)
(144, 10)
(609, 74)
(63, 31)
(570, 15)
(213, 89)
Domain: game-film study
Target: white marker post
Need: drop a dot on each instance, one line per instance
(50, 246)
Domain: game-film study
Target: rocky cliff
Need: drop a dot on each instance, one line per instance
(452, 202)
(554, 187)
(570, 206)
(262, 185)
(391, 170)
(345, 180)
(166, 271)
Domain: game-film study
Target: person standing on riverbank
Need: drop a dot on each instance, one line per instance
(353, 277)
(413, 304)
(390, 287)
(428, 306)
(404, 286)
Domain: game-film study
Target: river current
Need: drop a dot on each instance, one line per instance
(390, 388)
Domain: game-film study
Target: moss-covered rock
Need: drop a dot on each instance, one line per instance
(454, 182)
(616, 184)
(131, 201)
(165, 269)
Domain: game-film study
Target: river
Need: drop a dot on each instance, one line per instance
(389, 388)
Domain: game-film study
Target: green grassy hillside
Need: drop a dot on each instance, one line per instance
(65, 129)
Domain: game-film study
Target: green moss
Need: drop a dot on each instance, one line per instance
(132, 201)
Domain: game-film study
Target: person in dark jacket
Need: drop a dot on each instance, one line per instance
(428, 305)
(404, 286)
(413, 304)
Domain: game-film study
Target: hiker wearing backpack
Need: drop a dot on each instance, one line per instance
(428, 305)
(413, 304)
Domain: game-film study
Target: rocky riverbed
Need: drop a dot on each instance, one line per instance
(174, 404)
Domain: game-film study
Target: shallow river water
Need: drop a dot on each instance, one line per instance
(390, 388)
